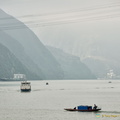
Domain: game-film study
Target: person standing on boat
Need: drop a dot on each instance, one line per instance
(95, 107)
(74, 108)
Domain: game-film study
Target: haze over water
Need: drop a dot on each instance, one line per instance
(47, 102)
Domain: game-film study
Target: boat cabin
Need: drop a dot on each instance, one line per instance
(84, 107)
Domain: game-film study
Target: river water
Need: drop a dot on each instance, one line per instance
(47, 102)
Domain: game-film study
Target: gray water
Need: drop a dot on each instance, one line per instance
(47, 102)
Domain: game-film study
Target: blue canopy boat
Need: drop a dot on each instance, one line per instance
(82, 108)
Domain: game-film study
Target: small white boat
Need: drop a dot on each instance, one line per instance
(25, 86)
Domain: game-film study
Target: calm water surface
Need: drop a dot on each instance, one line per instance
(47, 102)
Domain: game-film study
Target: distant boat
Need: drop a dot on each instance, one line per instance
(84, 109)
(25, 86)
(47, 83)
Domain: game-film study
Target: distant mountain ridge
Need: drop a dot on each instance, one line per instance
(72, 66)
(10, 65)
(18, 50)
(33, 58)
(95, 42)
(25, 45)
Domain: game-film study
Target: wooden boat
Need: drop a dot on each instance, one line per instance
(25, 86)
(84, 108)
(89, 110)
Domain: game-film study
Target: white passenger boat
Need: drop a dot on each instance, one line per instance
(25, 86)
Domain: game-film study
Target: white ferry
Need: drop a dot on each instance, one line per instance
(25, 86)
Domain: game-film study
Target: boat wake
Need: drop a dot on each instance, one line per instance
(118, 112)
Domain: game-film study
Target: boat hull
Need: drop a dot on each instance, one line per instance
(91, 110)
(25, 90)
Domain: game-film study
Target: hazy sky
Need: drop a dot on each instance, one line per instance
(55, 12)
(33, 7)
(62, 16)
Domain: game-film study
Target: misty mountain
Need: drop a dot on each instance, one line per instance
(104, 56)
(10, 65)
(18, 50)
(25, 45)
(72, 66)
(96, 43)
